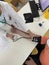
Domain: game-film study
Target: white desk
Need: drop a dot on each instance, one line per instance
(16, 53)
(34, 27)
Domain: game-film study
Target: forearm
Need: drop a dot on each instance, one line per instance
(21, 33)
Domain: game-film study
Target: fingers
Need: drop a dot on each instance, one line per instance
(9, 35)
(32, 34)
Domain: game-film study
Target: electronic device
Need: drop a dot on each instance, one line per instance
(44, 4)
(37, 39)
(28, 17)
(34, 9)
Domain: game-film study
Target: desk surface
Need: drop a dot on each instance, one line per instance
(34, 26)
(16, 53)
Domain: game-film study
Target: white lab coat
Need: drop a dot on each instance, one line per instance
(16, 20)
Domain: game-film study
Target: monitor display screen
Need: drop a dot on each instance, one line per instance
(44, 4)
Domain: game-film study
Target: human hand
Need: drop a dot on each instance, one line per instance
(32, 34)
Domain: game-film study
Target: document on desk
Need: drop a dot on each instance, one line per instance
(17, 52)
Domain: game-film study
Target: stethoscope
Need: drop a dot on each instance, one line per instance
(4, 22)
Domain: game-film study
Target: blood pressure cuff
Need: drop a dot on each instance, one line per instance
(37, 39)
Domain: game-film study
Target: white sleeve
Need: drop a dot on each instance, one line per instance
(16, 20)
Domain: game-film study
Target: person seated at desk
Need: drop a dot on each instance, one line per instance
(9, 16)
